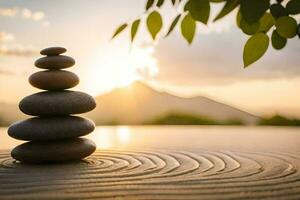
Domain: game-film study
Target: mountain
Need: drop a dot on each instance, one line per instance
(138, 103)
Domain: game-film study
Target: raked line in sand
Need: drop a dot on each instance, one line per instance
(116, 174)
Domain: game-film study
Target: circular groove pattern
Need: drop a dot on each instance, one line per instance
(156, 175)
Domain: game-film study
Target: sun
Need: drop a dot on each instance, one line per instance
(119, 67)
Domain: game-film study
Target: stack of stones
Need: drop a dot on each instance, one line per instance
(53, 133)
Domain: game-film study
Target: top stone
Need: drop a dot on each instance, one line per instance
(53, 51)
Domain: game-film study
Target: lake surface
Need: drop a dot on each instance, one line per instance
(188, 138)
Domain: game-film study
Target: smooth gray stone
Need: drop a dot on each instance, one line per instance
(53, 51)
(53, 128)
(52, 103)
(54, 151)
(54, 80)
(54, 62)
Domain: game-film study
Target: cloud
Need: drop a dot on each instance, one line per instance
(14, 49)
(8, 12)
(216, 59)
(35, 16)
(24, 13)
(6, 37)
(18, 50)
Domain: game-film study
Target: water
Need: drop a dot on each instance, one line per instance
(188, 138)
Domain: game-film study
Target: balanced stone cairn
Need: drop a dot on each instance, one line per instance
(53, 133)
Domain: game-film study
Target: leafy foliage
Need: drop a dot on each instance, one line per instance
(188, 28)
(278, 42)
(179, 118)
(160, 3)
(253, 10)
(149, 4)
(286, 26)
(134, 28)
(154, 23)
(293, 7)
(255, 48)
(278, 120)
(228, 7)
(199, 10)
(278, 10)
(119, 30)
(266, 23)
(254, 17)
(247, 28)
(174, 23)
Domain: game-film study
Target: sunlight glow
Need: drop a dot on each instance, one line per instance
(119, 67)
(107, 137)
(123, 134)
(103, 139)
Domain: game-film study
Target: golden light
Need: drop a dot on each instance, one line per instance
(119, 66)
(123, 134)
(107, 137)
(103, 138)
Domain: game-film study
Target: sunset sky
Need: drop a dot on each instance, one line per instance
(212, 66)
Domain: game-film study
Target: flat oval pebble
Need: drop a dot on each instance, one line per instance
(54, 80)
(50, 128)
(54, 62)
(52, 103)
(53, 51)
(54, 151)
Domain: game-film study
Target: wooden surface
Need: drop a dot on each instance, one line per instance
(113, 174)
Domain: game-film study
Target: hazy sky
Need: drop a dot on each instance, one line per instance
(211, 66)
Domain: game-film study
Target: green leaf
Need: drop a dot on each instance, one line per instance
(134, 28)
(149, 4)
(160, 3)
(188, 28)
(154, 23)
(277, 10)
(199, 10)
(266, 23)
(253, 10)
(119, 30)
(239, 19)
(228, 7)
(278, 42)
(286, 27)
(247, 28)
(217, 1)
(174, 23)
(293, 7)
(255, 48)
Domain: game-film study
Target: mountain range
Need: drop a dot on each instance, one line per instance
(138, 103)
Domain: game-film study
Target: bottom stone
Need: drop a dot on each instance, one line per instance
(54, 152)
